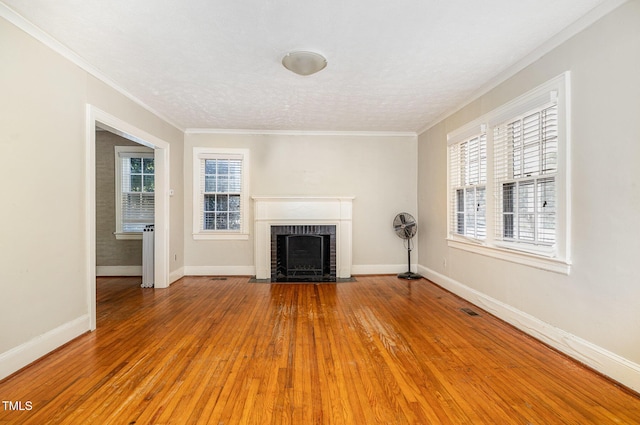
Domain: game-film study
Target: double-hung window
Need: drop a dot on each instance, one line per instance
(468, 181)
(220, 193)
(516, 156)
(135, 190)
(526, 166)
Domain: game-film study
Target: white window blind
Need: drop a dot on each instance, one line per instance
(524, 172)
(526, 167)
(221, 193)
(467, 183)
(135, 191)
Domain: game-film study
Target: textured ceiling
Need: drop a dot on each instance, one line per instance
(392, 65)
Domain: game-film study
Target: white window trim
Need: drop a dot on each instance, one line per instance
(119, 234)
(514, 256)
(468, 131)
(200, 234)
(558, 260)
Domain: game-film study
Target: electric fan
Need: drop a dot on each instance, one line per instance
(406, 227)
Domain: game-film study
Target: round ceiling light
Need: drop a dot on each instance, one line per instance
(304, 63)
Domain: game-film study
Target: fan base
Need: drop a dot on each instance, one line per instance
(409, 276)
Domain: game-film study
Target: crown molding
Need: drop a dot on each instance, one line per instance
(301, 132)
(564, 35)
(22, 23)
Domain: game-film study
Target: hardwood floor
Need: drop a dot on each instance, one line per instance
(376, 351)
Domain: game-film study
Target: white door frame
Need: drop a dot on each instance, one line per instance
(161, 233)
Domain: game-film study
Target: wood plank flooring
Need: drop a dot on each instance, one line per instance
(376, 351)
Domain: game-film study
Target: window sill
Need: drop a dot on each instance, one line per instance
(129, 236)
(528, 259)
(221, 236)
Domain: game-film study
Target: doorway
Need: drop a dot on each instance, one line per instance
(100, 119)
(124, 204)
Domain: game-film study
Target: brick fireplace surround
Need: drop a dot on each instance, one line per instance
(329, 231)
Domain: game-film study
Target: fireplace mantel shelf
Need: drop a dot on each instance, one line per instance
(282, 210)
(301, 198)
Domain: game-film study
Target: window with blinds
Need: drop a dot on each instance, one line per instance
(526, 164)
(135, 189)
(468, 179)
(515, 156)
(220, 193)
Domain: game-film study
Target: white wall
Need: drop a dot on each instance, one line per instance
(593, 313)
(379, 170)
(43, 143)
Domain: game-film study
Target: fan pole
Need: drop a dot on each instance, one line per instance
(409, 274)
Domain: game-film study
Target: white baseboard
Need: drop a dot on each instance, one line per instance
(15, 359)
(251, 270)
(118, 271)
(609, 364)
(378, 268)
(134, 271)
(176, 274)
(219, 270)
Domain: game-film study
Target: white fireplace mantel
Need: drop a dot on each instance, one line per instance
(302, 210)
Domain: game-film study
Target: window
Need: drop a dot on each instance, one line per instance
(222, 190)
(526, 153)
(220, 193)
(515, 156)
(468, 176)
(135, 187)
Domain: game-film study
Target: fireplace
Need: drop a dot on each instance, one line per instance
(305, 253)
(327, 217)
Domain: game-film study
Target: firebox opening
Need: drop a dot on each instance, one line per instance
(303, 253)
(303, 258)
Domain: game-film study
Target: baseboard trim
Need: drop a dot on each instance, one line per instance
(102, 271)
(356, 269)
(378, 268)
(16, 358)
(219, 271)
(251, 270)
(603, 361)
(176, 275)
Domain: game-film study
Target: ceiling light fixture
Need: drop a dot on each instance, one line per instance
(304, 63)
